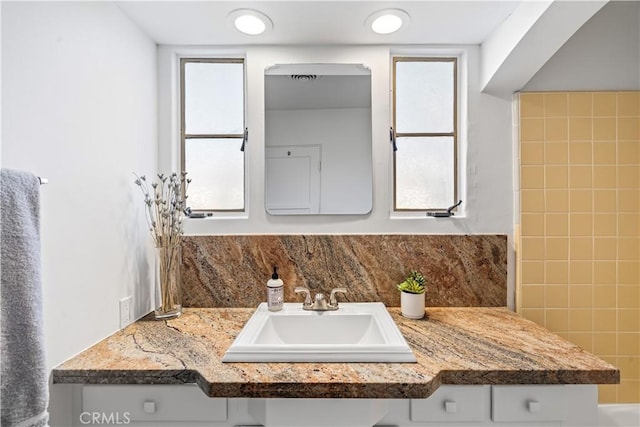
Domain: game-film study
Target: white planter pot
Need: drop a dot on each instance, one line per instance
(412, 305)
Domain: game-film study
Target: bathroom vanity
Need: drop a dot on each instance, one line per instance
(477, 366)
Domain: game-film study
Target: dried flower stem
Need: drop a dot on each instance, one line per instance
(169, 284)
(165, 202)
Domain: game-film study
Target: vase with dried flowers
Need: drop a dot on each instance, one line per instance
(165, 201)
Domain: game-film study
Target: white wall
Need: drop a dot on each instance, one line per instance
(602, 55)
(485, 145)
(79, 108)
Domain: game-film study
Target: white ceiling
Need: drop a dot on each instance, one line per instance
(319, 22)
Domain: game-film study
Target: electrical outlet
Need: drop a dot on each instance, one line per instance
(126, 316)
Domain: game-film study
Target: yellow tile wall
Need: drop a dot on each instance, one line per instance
(579, 232)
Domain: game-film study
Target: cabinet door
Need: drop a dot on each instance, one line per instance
(452, 403)
(293, 180)
(528, 403)
(121, 404)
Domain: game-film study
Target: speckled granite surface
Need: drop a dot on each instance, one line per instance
(231, 271)
(453, 346)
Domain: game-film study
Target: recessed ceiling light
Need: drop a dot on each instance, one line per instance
(250, 21)
(387, 21)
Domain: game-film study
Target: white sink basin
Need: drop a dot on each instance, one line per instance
(356, 332)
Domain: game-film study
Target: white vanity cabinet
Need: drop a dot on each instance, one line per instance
(499, 405)
(453, 403)
(528, 404)
(542, 405)
(450, 405)
(142, 405)
(454, 345)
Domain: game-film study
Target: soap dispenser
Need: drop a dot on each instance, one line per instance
(275, 292)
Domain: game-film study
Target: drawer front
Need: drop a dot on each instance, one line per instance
(452, 403)
(124, 403)
(528, 403)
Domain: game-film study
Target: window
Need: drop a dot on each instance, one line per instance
(213, 132)
(425, 133)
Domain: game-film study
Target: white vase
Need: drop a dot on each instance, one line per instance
(412, 305)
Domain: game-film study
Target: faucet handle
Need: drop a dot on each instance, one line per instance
(332, 299)
(303, 290)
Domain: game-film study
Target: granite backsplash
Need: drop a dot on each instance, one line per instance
(232, 271)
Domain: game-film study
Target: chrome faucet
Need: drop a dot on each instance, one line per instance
(320, 301)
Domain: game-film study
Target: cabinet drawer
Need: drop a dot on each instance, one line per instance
(528, 403)
(452, 403)
(150, 403)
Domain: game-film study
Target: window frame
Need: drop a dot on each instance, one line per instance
(242, 136)
(454, 134)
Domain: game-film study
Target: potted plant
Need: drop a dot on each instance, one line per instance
(412, 296)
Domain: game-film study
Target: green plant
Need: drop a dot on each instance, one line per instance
(413, 284)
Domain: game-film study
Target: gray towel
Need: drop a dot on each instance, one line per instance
(25, 387)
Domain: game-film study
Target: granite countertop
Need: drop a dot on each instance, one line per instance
(452, 346)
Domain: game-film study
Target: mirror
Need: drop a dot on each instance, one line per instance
(318, 139)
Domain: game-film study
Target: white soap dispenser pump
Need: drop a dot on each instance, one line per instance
(275, 292)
